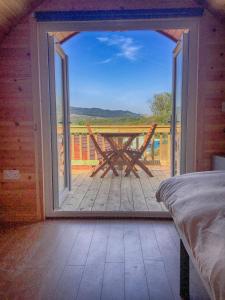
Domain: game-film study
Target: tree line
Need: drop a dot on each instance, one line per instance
(160, 106)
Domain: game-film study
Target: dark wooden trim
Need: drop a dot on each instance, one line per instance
(184, 272)
(123, 14)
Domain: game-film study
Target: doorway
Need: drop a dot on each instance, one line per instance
(76, 151)
(52, 209)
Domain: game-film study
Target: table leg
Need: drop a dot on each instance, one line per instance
(108, 168)
(120, 153)
(136, 160)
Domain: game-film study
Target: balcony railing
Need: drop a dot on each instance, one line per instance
(84, 156)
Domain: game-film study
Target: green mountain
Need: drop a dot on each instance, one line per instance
(102, 113)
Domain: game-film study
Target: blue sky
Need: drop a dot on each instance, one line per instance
(119, 70)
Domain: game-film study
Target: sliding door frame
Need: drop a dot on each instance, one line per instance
(181, 47)
(41, 95)
(54, 47)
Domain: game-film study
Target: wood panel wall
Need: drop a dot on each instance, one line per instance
(20, 200)
(17, 198)
(211, 91)
(11, 11)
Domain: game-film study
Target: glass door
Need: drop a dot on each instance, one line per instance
(179, 111)
(59, 120)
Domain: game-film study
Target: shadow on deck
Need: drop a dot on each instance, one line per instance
(115, 194)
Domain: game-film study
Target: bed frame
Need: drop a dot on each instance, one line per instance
(184, 273)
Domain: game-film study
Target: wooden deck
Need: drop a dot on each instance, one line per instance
(115, 193)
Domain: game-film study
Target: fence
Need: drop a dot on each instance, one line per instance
(84, 156)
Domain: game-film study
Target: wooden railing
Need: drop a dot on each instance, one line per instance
(83, 154)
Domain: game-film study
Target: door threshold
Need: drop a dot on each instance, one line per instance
(111, 214)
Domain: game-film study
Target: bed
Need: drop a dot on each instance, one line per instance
(196, 202)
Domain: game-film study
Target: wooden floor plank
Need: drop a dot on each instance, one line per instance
(132, 244)
(67, 241)
(8, 236)
(29, 275)
(113, 202)
(21, 243)
(136, 287)
(149, 245)
(168, 251)
(42, 254)
(24, 285)
(69, 283)
(79, 252)
(173, 233)
(91, 282)
(115, 247)
(58, 259)
(98, 247)
(157, 278)
(113, 283)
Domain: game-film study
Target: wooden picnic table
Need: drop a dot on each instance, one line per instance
(120, 150)
(120, 147)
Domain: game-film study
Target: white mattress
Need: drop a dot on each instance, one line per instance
(196, 202)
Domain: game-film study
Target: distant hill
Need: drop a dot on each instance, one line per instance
(102, 113)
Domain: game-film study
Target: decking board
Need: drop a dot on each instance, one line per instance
(88, 201)
(113, 193)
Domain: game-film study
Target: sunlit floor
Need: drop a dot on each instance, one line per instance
(116, 193)
(93, 260)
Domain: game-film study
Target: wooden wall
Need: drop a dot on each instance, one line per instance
(17, 198)
(211, 119)
(21, 200)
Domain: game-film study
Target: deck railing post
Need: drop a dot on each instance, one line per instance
(80, 147)
(137, 142)
(161, 156)
(72, 144)
(168, 148)
(153, 149)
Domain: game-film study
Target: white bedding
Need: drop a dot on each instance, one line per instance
(196, 202)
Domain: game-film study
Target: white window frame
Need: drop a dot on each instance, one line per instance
(41, 98)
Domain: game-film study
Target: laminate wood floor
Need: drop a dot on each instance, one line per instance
(92, 260)
(116, 193)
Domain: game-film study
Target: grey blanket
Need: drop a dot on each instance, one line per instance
(196, 202)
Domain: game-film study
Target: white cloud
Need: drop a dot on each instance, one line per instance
(102, 39)
(106, 61)
(126, 46)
